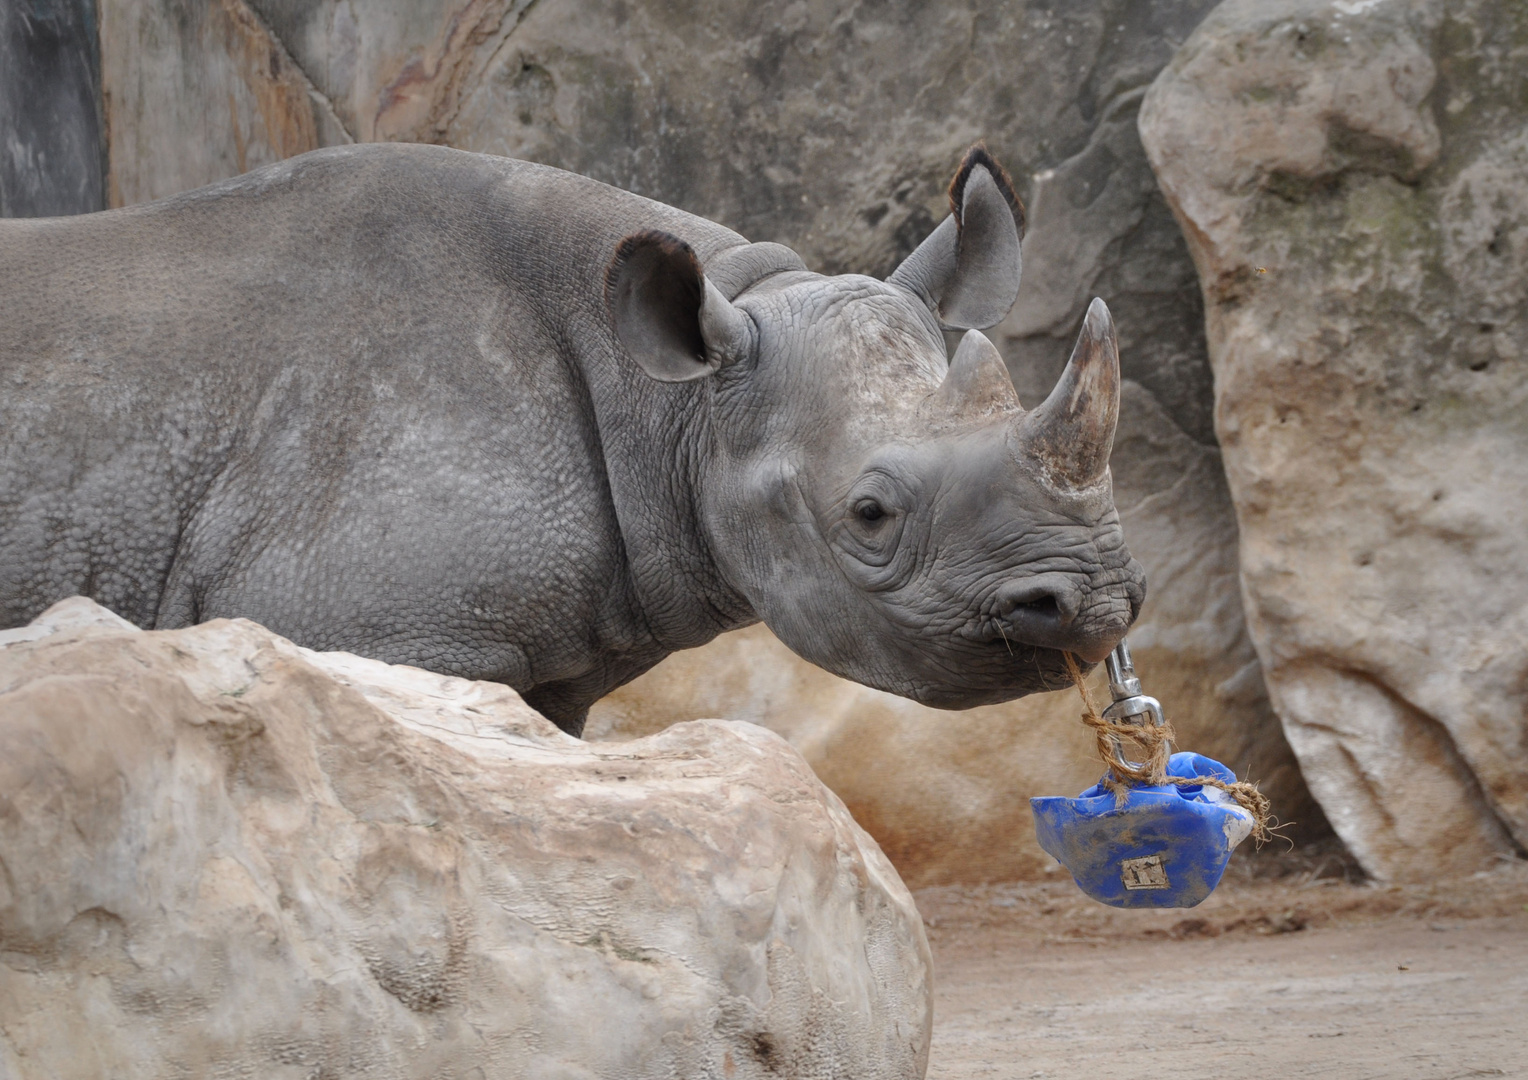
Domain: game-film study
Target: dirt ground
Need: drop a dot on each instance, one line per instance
(1291, 969)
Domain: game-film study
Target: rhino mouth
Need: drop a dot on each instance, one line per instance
(1041, 625)
(1087, 649)
(1007, 651)
(1000, 672)
(985, 664)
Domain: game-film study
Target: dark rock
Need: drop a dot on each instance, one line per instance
(51, 152)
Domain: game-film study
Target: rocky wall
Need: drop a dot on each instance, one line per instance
(1350, 177)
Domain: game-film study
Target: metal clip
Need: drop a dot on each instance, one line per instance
(1129, 703)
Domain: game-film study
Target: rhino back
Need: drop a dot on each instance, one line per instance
(357, 396)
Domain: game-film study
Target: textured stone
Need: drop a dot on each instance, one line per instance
(1349, 176)
(51, 150)
(229, 856)
(198, 92)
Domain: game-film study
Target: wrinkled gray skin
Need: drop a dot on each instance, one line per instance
(428, 407)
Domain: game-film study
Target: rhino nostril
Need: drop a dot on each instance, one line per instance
(1045, 605)
(1045, 597)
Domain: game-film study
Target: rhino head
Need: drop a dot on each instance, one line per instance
(894, 516)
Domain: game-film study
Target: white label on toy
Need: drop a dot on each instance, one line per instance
(1144, 873)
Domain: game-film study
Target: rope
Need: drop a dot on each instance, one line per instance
(1154, 741)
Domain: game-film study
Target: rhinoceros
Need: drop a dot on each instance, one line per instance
(502, 421)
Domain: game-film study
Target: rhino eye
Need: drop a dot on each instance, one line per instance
(870, 512)
(867, 529)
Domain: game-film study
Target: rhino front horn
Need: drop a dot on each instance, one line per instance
(1071, 434)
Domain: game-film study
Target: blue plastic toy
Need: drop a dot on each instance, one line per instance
(1162, 846)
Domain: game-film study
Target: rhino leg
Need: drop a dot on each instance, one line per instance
(565, 704)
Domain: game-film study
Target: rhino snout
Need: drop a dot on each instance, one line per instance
(1058, 611)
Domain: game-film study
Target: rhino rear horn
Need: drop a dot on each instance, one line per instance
(1071, 434)
(978, 380)
(967, 270)
(669, 319)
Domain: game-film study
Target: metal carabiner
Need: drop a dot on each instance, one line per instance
(1129, 702)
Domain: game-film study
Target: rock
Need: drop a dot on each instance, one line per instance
(1349, 177)
(195, 93)
(832, 127)
(226, 855)
(50, 109)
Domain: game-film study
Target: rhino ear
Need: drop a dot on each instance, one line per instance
(967, 271)
(668, 318)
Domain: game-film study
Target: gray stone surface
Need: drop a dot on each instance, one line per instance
(52, 154)
(198, 92)
(227, 856)
(1350, 177)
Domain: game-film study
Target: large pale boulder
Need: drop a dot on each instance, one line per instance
(228, 856)
(1350, 177)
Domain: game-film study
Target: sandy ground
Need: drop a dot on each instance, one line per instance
(1284, 974)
